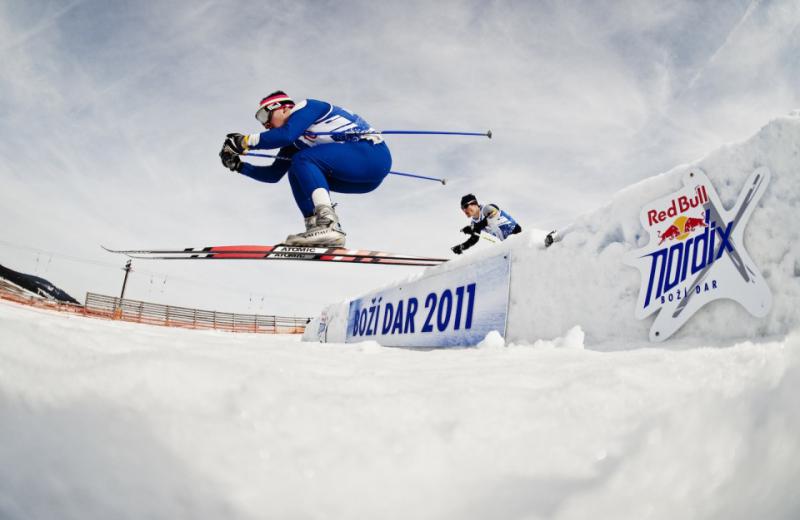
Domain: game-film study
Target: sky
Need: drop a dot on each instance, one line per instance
(113, 113)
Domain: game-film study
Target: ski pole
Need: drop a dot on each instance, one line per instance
(414, 175)
(487, 133)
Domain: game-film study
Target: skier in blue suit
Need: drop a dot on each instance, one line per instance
(319, 164)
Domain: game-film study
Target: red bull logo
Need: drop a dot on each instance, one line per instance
(692, 223)
(681, 228)
(678, 205)
(671, 233)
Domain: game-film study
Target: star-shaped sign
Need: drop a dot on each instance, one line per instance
(696, 254)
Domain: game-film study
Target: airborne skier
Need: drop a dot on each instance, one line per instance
(319, 163)
(489, 218)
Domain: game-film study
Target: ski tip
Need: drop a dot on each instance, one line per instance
(116, 251)
(489, 134)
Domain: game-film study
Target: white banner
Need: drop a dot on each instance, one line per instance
(454, 308)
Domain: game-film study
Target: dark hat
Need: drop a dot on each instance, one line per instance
(468, 199)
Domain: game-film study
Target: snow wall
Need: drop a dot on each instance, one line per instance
(528, 292)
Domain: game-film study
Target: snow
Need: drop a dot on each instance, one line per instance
(103, 419)
(572, 415)
(583, 280)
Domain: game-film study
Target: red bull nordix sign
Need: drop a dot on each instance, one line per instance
(696, 254)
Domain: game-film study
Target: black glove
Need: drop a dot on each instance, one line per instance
(479, 226)
(237, 142)
(549, 239)
(458, 249)
(467, 230)
(230, 159)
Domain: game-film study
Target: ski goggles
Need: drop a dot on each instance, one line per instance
(268, 104)
(468, 203)
(263, 115)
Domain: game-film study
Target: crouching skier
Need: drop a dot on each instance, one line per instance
(319, 164)
(489, 218)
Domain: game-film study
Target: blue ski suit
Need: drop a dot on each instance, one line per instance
(321, 161)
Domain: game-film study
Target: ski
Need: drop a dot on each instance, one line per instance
(280, 252)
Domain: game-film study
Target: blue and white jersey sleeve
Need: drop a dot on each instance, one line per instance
(308, 118)
(303, 115)
(498, 223)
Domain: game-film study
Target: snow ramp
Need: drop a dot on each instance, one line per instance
(527, 292)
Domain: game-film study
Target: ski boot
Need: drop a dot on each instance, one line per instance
(324, 230)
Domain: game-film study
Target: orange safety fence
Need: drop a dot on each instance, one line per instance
(110, 307)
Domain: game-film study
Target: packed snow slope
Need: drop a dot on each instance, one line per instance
(103, 419)
(583, 281)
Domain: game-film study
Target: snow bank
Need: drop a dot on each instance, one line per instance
(582, 280)
(102, 419)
